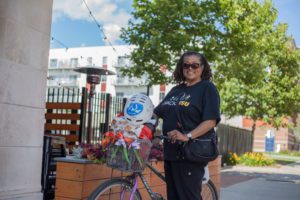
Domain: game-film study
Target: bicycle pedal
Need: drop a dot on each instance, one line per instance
(157, 196)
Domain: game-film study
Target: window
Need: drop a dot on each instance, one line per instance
(104, 60)
(89, 61)
(103, 78)
(120, 94)
(74, 62)
(121, 60)
(72, 78)
(53, 62)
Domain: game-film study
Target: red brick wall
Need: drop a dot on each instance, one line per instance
(283, 137)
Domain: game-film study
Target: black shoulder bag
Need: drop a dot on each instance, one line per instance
(199, 149)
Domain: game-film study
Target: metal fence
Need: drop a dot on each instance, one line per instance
(64, 95)
(233, 139)
(105, 107)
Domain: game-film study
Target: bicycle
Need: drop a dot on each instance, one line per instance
(126, 188)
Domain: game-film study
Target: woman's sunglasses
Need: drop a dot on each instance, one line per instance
(192, 65)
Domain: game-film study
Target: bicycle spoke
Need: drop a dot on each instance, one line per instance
(117, 190)
(208, 191)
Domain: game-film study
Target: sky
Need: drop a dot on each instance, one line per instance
(73, 26)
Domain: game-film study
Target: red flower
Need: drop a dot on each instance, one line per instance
(119, 135)
(128, 140)
(105, 142)
(110, 134)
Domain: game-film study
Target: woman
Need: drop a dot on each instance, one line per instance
(196, 101)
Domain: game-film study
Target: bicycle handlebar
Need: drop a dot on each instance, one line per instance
(162, 137)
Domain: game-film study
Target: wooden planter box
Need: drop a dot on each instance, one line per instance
(76, 179)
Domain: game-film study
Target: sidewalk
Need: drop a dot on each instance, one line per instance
(261, 183)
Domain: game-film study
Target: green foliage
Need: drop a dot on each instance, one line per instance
(232, 159)
(249, 159)
(255, 65)
(256, 159)
(290, 153)
(296, 128)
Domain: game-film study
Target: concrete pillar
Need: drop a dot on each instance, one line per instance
(24, 46)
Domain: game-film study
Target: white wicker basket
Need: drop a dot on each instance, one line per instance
(116, 158)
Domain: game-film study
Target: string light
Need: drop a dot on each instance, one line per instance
(99, 26)
(59, 42)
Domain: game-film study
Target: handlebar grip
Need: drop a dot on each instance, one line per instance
(162, 137)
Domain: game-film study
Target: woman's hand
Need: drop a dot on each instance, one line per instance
(177, 135)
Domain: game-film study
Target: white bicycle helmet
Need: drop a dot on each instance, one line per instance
(138, 109)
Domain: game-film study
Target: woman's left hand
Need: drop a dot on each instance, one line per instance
(177, 135)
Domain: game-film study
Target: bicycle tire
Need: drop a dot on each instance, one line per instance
(209, 191)
(114, 188)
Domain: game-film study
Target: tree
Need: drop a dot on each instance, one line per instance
(255, 68)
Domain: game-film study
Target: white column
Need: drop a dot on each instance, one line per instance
(24, 47)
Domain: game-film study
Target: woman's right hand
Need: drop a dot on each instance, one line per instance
(177, 135)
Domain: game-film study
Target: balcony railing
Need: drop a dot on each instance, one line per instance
(64, 64)
(127, 81)
(53, 83)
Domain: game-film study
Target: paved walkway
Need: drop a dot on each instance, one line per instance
(261, 183)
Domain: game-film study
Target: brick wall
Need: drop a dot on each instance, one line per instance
(283, 136)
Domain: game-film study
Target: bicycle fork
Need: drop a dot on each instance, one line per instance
(153, 195)
(134, 180)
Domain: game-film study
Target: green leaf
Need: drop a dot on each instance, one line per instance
(115, 152)
(126, 155)
(254, 62)
(137, 156)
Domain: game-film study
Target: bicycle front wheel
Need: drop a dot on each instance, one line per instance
(209, 191)
(115, 189)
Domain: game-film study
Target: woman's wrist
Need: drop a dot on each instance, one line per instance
(189, 136)
(185, 138)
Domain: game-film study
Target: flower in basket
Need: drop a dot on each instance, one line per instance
(123, 142)
(132, 137)
(109, 138)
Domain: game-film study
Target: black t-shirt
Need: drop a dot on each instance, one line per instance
(196, 104)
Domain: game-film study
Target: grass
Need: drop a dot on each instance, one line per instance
(284, 161)
(285, 157)
(261, 159)
(290, 153)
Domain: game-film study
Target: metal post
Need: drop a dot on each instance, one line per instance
(83, 115)
(148, 90)
(90, 113)
(107, 113)
(93, 78)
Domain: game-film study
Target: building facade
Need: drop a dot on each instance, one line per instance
(62, 63)
(284, 137)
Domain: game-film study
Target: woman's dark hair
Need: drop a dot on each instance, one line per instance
(178, 73)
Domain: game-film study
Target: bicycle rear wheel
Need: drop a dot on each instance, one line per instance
(114, 189)
(209, 191)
